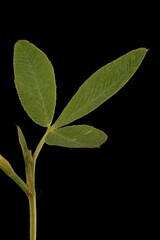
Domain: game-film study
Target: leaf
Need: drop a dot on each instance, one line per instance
(5, 166)
(77, 136)
(35, 82)
(100, 86)
(22, 141)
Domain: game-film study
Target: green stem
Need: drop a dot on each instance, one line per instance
(29, 187)
(33, 217)
(30, 178)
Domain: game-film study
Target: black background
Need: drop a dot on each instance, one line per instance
(110, 191)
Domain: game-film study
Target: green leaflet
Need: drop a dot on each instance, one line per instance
(100, 86)
(77, 136)
(35, 82)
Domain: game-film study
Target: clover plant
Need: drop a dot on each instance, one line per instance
(36, 87)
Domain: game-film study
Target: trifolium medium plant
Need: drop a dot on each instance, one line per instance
(36, 87)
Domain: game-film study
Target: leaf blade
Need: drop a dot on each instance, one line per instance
(35, 82)
(100, 86)
(76, 136)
